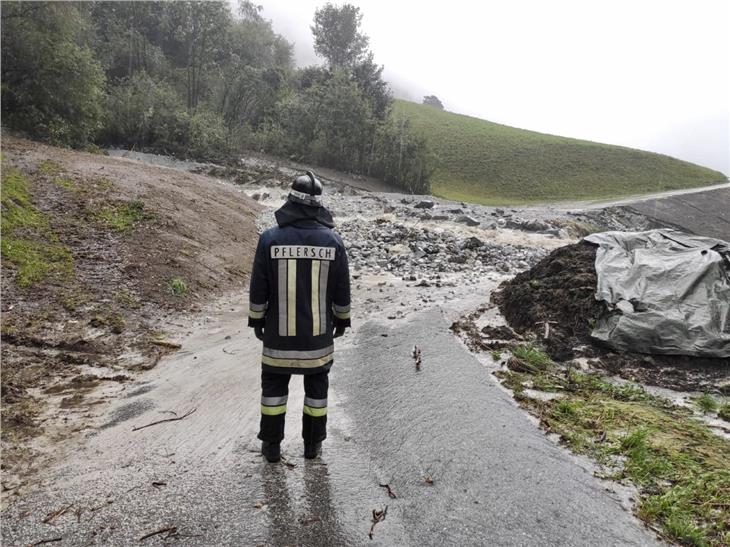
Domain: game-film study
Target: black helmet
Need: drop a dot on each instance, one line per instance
(307, 190)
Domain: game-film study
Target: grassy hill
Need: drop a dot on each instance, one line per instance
(489, 163)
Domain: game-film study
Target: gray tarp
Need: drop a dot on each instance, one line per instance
(667, 292)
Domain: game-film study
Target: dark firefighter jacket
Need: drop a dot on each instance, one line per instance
(300, 290)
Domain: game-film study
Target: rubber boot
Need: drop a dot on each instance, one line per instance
(271, 451)
(311, 451)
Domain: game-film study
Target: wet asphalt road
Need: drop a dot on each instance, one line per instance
(703, 213)
(497, 480)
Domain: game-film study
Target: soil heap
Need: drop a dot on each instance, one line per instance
(560, 291)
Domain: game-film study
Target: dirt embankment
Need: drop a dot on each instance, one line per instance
(554, 303)
(98, 255)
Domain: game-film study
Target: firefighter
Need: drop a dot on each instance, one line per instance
(299, 302)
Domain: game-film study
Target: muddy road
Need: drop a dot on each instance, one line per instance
(466, 464)
(496, 478)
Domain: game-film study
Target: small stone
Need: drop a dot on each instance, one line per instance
(425, 204)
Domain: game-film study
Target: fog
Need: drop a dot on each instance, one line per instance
(653, 74)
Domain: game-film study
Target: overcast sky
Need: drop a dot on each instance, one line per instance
(649, 74)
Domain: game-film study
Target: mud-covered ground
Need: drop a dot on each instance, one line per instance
(72, 345)
(75, 333)
(554, 304)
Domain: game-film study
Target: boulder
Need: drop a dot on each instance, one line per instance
(466, 219)
(472, 243)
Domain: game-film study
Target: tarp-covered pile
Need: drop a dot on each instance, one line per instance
(667, 292)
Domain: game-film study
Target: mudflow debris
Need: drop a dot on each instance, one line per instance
(559, 292)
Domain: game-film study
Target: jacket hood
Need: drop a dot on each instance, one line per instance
(291, 212)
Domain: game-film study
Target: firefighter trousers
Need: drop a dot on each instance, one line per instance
(274, 395)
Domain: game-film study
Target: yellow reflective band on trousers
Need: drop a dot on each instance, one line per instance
(315, 412)
(296, 363)
(273, 410)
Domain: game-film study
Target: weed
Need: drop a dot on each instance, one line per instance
(496, 355)
(73, 301)
(123, 216)
(178, 286)
(67, 183)
(706, 403)
(566, 407)
(110, 319)
(127, 299)
(104, 183)
(50, 168)
(534, 357)
(724, 411)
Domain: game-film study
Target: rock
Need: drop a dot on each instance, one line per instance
(398, 249)
(425, 204)
(466, 219)
(456, 211)
(472, 243)
(499, 211)
(425, 216)
(439, 217)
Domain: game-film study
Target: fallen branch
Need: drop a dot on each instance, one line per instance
(51, 517)
(169, 529)
(416, 354)
(378, 516)
(390, 490)
(188, 413)
(157, 484)
(52, 540)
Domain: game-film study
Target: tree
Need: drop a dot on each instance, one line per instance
(52, 85)
(433, 100)
(337, 37)
(194, 31)
(369, 77)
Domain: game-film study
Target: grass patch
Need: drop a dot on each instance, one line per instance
(178, 286)
(127, 299)
(67, 183)
(53, 170)
(103, 183)
(706, 403)
(111, 319)
(27, 240)
(123, 216)
(484, 162)
(50, 168)
(532, 358)
(496, 355)
(724, 411)
(682, 469)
